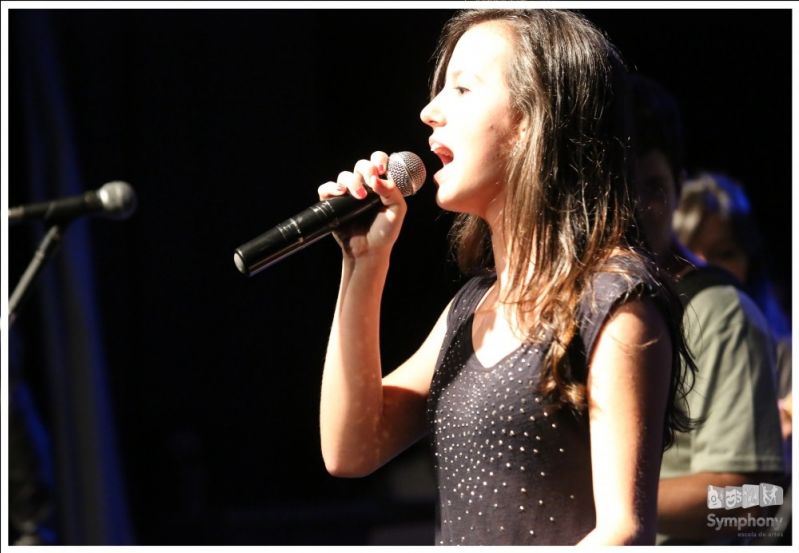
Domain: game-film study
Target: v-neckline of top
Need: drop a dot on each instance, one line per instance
(469, 329)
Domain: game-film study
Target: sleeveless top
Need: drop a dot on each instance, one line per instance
(510, 468)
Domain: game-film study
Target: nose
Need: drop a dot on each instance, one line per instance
(431, 114)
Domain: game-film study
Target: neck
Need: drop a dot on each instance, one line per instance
(500, 245)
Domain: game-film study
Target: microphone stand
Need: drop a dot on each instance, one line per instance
(31, 512)
(47, 247)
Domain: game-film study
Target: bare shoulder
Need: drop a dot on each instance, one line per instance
(637, 322)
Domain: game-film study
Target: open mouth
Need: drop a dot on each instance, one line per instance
(443, 153)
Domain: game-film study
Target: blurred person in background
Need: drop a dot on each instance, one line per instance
(738, 439)
(714, 220)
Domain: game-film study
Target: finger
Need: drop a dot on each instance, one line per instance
(368, 171)
(380, 160)
(331, 189)
(353, 182)
(385, 187)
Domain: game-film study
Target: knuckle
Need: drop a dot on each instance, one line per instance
(379, 158)
(365, 167)
(344, 177)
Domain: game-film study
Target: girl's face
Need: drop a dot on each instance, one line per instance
(472, 122)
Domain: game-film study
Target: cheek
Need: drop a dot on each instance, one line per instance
(488, 151)
(503, 136)
(655, 216)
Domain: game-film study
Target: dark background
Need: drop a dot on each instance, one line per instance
(225, 122)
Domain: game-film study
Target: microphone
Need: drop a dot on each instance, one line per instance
(404, 168)
(114, 199)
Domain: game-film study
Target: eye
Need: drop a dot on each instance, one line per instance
(461, 90)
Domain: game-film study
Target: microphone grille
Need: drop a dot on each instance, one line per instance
(407, 171)
(118, 199)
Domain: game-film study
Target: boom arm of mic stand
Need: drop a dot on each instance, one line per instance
(47, 247)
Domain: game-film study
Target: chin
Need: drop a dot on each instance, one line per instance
(443, 201)
(447, 202)
(452, 205)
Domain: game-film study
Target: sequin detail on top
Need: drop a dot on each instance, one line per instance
(510, 468)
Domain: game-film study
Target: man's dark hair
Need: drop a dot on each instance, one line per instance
(657, 123)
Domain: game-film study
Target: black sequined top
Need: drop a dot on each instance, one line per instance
(511, 469)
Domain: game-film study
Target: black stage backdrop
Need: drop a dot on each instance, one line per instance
(174, 401)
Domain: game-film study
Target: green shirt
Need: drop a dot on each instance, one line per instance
(734, 392)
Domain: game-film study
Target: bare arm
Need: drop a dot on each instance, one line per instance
(628, 384)
(366, 420)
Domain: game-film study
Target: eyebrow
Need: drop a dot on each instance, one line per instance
(458, 72)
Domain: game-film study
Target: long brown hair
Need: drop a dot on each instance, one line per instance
(568, 205)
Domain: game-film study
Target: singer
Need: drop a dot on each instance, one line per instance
(554, 378)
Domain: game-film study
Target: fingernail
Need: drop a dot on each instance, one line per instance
(361, 193)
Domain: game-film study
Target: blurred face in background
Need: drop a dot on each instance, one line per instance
(715, 243)
(656, 187)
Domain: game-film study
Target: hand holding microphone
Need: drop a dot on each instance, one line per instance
(367, 193)
(369, 234)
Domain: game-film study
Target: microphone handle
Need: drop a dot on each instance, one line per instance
(300, 231)
(57, 210)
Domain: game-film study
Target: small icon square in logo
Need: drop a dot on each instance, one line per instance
(733, 497)
(770, 494)
(715, 497)
(751, 495)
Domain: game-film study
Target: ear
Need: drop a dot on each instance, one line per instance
(518, 138)
(522, 129)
